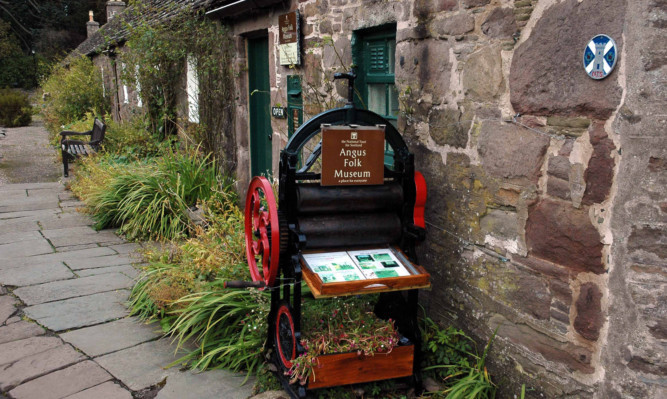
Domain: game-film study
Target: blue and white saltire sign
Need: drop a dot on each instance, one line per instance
(600, 56)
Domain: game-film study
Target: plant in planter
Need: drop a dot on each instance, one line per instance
(341, 325)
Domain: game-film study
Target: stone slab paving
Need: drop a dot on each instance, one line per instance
(7, 307)
(24, 249)
(100, 261)
(63, 382)
(80, 255)
(143, 365)
(111, 337)
(72, 281)
(128, 270)
(35, 274)
(37, 365)
(108, 390)
(212, 384)
(81, 311)
(19, 330)
(58, 290)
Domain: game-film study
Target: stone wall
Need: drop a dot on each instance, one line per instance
(549, 226)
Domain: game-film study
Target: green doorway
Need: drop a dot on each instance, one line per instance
(259, 106)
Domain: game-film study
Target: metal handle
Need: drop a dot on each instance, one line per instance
(270, 136)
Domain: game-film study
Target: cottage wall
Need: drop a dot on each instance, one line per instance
(548, 227)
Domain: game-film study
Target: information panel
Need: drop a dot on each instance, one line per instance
(352, 155)
(288, 38)
(355, 265)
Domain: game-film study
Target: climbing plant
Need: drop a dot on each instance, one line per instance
(161, 42)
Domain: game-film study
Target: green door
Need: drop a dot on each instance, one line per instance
(260, 106)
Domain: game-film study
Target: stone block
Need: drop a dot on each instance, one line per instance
(423, 9)
(35, 274)
(7, 307)
(452, 25)
(108, 390)
(511, 152)
(446, 127)
(575, 358)
(648, 244)
(564, 235)
(482, 74)
(474, 3)
(546, 74)
(81, 311)
(113, 336)
(559, 167)
(600, 171)
(33, 366)
(424, 67)
(589, 317)
(558, 188)
(62, 383)
(500, 223)
(500, 23)
(19, 330)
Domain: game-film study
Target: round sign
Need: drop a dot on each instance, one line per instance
(600, 56)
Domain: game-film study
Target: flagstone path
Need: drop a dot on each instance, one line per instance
(64, 327)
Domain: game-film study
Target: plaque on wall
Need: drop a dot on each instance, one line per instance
(289, 32)
(352, 155)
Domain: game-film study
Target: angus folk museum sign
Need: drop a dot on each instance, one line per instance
(352, 155)
(289, 31)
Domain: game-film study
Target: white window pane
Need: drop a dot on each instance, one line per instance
(192, 90)
(391, 55)
(377, 98)
(393, 101)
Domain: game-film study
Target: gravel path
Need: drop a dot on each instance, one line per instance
(26, 157)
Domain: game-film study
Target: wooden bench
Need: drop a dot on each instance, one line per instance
(73, 149)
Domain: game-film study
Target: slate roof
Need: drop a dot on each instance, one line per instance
(115, 32)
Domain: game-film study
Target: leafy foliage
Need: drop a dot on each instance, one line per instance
(148, 199)
(15, 108)
(450, 358)
(71, 93)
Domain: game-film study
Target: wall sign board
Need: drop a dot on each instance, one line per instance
(278, 112)
(352, 155)
(289, 32)
(600, 56)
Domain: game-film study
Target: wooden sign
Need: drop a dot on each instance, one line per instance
(289, 31)
(352, 155)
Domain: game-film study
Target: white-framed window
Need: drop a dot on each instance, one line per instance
(192, 88)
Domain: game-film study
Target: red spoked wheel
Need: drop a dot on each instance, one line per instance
(262, 231)
(284, 335)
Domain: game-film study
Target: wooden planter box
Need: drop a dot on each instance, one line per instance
(350, 368)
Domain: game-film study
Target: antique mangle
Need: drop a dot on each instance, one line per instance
(337, 199)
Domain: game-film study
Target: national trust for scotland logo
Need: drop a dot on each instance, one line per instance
(600, 56)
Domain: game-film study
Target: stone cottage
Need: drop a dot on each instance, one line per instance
(547, 204)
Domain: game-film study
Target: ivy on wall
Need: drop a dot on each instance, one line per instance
(155, 56)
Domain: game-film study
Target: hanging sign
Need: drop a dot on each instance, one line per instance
(289, 31)
(352, 155)
(600, 56)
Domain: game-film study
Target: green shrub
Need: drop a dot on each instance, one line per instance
(72, 91)
(15, 108)
(151, 198)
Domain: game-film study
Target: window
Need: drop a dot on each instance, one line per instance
(375, 57)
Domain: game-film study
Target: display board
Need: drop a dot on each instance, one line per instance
(361, 270)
